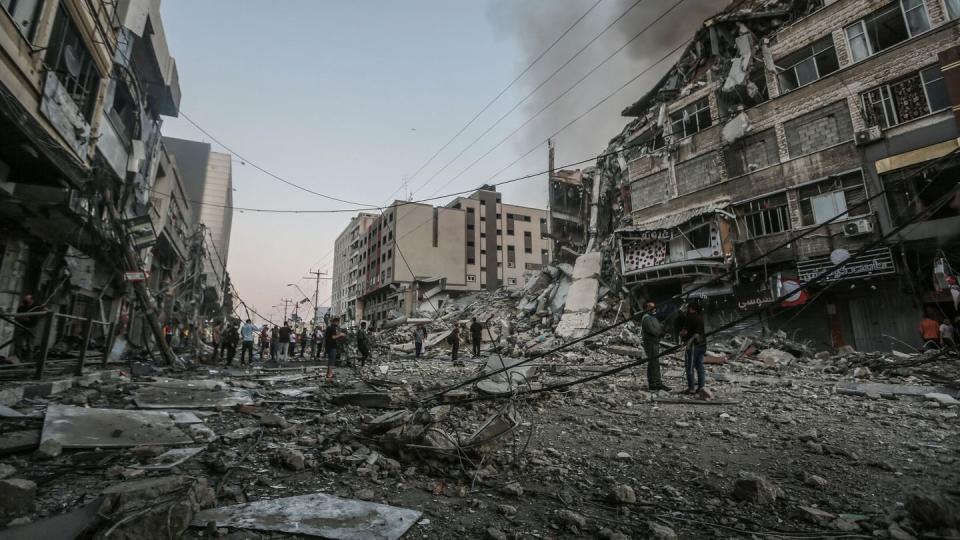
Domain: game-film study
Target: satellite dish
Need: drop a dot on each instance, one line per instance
(71, 61)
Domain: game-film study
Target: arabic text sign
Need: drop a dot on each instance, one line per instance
(875, 262)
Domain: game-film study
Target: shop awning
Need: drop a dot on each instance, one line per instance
(917, 156)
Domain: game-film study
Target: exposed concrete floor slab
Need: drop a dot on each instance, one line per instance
(80, 427)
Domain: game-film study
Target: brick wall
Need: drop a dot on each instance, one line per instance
(816, 25)
(12, 271)
(819, 129)
(698, 173)
(651, 190)
(752, 152)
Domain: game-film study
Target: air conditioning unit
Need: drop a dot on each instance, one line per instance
(869, 135)
(857, 227)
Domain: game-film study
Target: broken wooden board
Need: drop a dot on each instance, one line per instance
(80, 427)
(317, 514)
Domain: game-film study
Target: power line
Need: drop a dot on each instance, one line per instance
(502, 92)
(532, 92)
(264, 171)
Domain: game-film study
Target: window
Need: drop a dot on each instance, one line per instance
(953, 8)
(470, 226)
(469, 209)
(509, 232)
(471, 278)
(511, 281)
(68, 57)
(918, 95)
(808, 64)
(698, 238)
(834, 197)
(471, 260)
(893, 24)
(691, 119)
(470, 243)
(499, 232)
(24, 14)
(769, 215)
(527, 242)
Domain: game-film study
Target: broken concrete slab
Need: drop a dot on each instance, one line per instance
(68, 526)
(183, 397)
(945, 400)
(317, 514)
(7, 412)
(17, 496)
(79, 427)
(862, 389)
(171, 458)
(489, 435)
(160, 507)
(12, 442)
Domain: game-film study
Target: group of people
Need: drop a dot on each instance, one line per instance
(938, 332)
(476, 336)
(279, 343)
(690, 330)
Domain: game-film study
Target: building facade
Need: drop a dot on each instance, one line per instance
(387, 265)
(349, 254)
(830, 123)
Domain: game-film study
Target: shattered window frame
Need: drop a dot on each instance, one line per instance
(85, 85)
(690, 119)
(817, 56)
(896, 102)
(851, 185)
(913, 16)
(766, 216)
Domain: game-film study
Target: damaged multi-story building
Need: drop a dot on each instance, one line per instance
(414, 255)
(781, 116)
(94, 219)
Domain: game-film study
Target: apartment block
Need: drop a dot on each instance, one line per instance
(835, 118)
(349, 255)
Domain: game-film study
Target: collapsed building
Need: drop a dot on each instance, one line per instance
(837, 119)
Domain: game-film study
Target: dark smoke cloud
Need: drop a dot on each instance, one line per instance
(534, 25)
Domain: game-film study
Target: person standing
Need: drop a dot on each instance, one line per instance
(264, 340)
(246, 335)
(476, 335)
(317, 341)
(419, 334)
(930, 330)
(695, 334)
(651, 330)
(455, 344)
(283, 343)
(326, 319)
(947, 340)
(274, 341)
(363, 343)
(331, 337)
(229, 337)
(303, 340)
(168, 333)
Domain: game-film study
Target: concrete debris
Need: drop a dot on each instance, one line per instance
(161, 507)
(17, 496)
(79, 427)
(755, 488)
(317, 514)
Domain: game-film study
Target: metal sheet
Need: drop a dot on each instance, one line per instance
(318, 514)
(79, 427)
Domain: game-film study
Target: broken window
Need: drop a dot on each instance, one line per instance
(24, 13)
(68, 57)
(471, 278)
(893, 24)
(691, 119)
(913, 190)
(808, 64)
(769, 215)
(843, 196)
(909, 98)
(698, 238)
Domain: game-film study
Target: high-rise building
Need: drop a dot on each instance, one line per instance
(348, 256)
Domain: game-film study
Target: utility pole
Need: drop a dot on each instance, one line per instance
(316, 290)
(286, 303)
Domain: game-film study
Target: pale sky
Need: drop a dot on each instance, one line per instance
(349, 97)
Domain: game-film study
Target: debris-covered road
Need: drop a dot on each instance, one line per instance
(787, 446)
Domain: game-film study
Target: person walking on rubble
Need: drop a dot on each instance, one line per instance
(331, 338)
(274, 341)
(947, 341)
(283, 343)
(930, 330)
(304, 334)
(264, 340)
(476, 335)
(419, 334)
(363, 343)
(696, 336)
(246, 335)
(651, 330)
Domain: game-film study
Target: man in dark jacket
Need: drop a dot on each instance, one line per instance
(476, 335)
(651, 330)
(229, 339)
(696, 336)
(283, 342)
(331, 337)
(363, 343)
